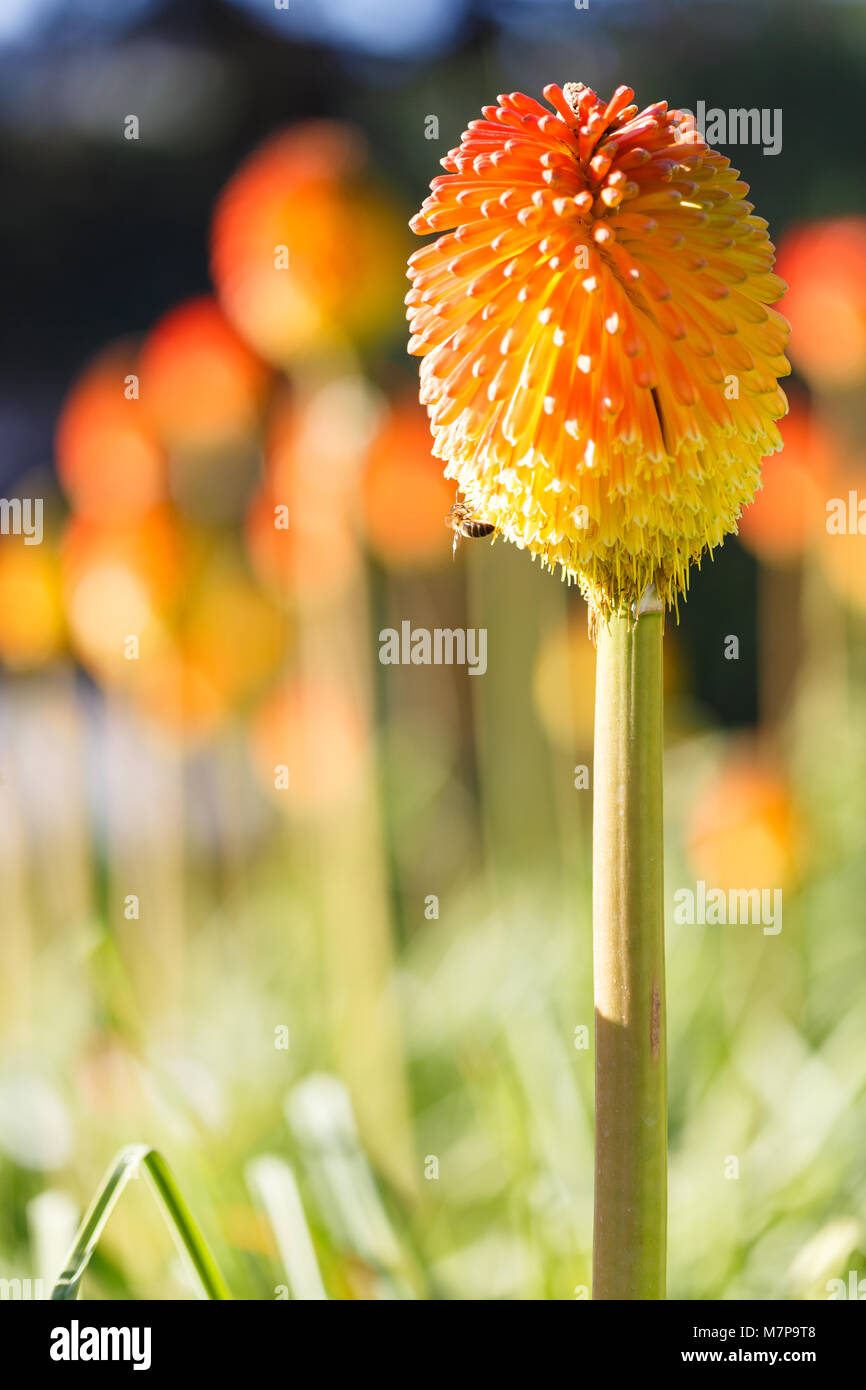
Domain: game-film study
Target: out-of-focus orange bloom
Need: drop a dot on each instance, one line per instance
(177, 695)
(404, 496)
(160, 611)
(317, 442)
(743, 831)
(299, 525)
(32, 629)
(120, 582)
(302, 555)
(308, 747)
(304, 251)
(309, 560)
(824, 264)
(843, 535)
(109, 460)
(231, 632)
(202, 385)
(788, 513)
(227, 642)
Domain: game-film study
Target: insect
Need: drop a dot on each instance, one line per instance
(466, 526)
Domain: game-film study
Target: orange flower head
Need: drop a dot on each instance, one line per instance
(600, 354)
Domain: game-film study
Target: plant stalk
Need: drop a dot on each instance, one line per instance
(629, 1245)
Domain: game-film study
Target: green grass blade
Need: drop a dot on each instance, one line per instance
(320, 1117)
(180, 1221)
(273, 1183)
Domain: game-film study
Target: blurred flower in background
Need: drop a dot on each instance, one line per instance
(788, 513)
(405, 497)
(121, 581)
(32, 622)
(308, 747)
(229, 641)
(203, 387)
(824, 264)
(205, 392)
(157, 451)
(743, 829)
(166, 614)
(299, 528)
(110, 461)
(304, 247)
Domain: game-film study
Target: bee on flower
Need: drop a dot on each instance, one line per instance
(466, 525)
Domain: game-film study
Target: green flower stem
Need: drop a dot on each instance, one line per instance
(178, 1216)
(629, 1247)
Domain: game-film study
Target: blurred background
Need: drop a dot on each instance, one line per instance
(318, 928)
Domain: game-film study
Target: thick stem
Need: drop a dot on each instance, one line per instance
(629, 1246)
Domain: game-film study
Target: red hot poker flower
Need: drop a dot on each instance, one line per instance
(600, 358)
